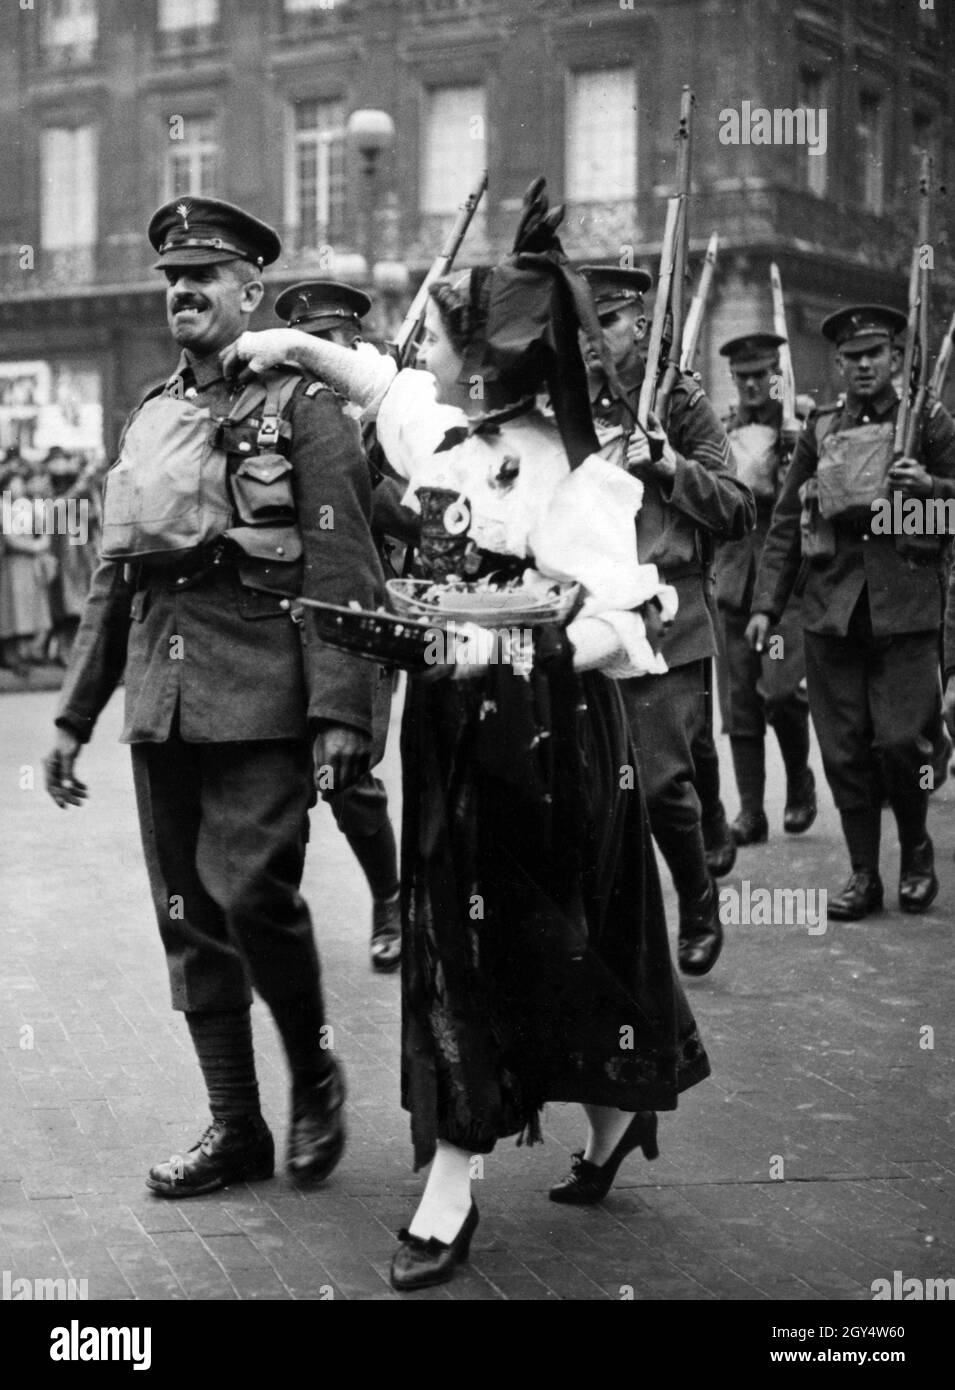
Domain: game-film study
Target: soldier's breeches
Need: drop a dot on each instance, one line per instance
(763, 689)
(224, 828)
(361, 809)
(871, 701)
(666, 715)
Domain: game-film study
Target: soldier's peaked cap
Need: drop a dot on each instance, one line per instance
(612, 286)
(752, 351)
(861, 326)
(316, 306)
(206, 231)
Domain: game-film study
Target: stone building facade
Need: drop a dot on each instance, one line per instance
(108, 107)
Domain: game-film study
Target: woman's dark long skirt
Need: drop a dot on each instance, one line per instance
(535, 962)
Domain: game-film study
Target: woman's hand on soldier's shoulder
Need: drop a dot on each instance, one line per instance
(270, 347)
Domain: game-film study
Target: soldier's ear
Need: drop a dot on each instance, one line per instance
(640, 325)
(252, 292)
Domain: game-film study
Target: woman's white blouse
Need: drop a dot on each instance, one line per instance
(524, 500)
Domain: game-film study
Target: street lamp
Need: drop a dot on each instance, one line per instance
(370, 133)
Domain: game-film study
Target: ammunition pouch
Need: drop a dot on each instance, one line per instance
(817, 533)
(852, 472)
(183, 482)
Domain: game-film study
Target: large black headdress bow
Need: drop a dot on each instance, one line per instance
(532, 308)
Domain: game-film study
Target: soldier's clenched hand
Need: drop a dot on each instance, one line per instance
(58, 768)
(757, 630)
(342, 755)
(910, 478)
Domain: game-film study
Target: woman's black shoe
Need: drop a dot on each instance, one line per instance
(587, 1183)
(417, 1263)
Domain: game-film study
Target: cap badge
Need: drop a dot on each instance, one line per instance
(183, 210)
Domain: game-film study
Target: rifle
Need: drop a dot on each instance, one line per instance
(410, 329)
(915, 383)
(661, 308)
(677, 281)
(943, 361)
(787, 376)
(694, 318)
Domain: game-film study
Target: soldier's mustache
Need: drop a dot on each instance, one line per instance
(189, 301)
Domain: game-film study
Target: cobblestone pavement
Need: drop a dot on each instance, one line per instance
(817, 1159)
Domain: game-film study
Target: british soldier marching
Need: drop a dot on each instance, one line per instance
(224, 502)
(768, 688)
(692, 500)
(871, 605)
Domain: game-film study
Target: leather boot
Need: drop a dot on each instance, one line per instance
(234, 1150)
(861, 896)
(719, 843)
(801, 806)
(749, 763)
(316, 1138)
(751, 828)
(386, 934)
(701, 933)
(918, 885)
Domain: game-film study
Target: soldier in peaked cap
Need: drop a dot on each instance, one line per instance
(332, 310)
(871, 604)
(208, 231)
(216, 512)
(691, 500)
(761, 690)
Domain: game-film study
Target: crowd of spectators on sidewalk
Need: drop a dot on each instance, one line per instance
(45, 571)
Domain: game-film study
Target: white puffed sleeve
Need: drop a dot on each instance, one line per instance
(588, 534)
(411, 422)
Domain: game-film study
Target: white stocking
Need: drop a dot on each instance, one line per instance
(446, 1199)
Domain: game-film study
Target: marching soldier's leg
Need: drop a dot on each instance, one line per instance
(665, 713)
(208, 978)
(717, 837)
(782, 688)
(361, 813)
(747, 730)
(941, 743)
(255, 803)
(902, 692)
(837, 678)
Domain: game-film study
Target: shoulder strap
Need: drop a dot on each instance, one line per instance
(825, 420)
(273, 391)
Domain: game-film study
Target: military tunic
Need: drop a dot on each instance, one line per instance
(223, 694)
(769, 689)
(871, 615)
(678, 523)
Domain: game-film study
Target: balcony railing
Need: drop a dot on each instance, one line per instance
(601, 229)
(775, 217)
(55, 57)
(197, 39)
(462, 10)
(318, 19)
(63, 270)
(432, 230)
